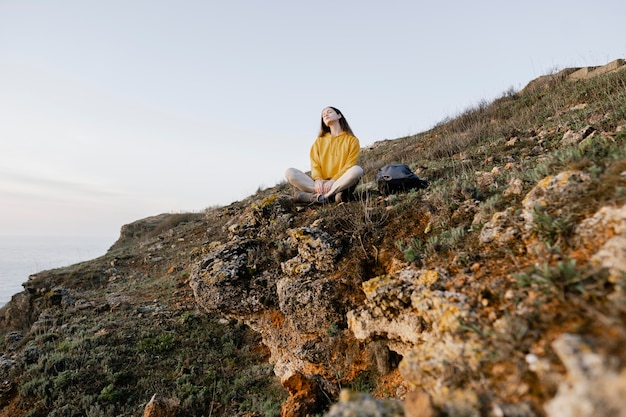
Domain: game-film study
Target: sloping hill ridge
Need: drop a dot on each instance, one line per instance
(497, 291)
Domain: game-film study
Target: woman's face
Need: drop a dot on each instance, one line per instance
(329, 115)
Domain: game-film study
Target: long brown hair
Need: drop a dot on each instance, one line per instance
(342, 122)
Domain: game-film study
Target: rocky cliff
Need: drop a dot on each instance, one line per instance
(496, 291)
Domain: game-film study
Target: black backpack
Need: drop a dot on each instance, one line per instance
(398, 178)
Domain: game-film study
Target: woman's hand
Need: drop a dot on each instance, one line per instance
(323, 187)
(328, 185)
(319, 187)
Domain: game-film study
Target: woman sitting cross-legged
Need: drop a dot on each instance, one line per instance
(334, 172)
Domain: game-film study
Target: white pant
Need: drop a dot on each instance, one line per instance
(303, 182)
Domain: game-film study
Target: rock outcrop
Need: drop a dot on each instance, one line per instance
(297, 306)
(314, 327)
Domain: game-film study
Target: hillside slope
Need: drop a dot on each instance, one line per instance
(498, 290)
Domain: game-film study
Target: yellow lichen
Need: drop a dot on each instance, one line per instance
(428, 278)
(369, 287)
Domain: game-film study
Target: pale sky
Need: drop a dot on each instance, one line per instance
(113, 111)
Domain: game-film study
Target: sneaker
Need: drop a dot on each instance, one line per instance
(341, 197)
(345, 195)
(308, 198)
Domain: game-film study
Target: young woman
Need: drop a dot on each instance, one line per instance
(334, 172)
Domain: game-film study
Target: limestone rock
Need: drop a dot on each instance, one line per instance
(612, 255)
(593, 387)
(419, 321)
(318, 305)
(419, 404)
(484, 180)
(222, 281)
(440, 365)
(298, 310)
(512, 410)
(160, 406)
(571, 138)
(515, 187)
(404, 309)
(551, 192)
(355, 404)
(309, 395)
(591, 72)
(317, 252)
(606, 222)
(501, 229)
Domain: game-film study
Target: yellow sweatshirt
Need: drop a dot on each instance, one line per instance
(332, 156)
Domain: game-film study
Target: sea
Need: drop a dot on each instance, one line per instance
(22, 256)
